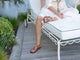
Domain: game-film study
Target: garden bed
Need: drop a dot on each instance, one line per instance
(7, 38)
(15, 30)
(9, 32)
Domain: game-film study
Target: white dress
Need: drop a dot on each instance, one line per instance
(68, 12)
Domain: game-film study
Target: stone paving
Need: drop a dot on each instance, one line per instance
(26, 39)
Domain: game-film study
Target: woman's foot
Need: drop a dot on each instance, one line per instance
(54, 18)
(48, 18)
(35, 48)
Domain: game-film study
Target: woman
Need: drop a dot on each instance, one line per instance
(49, 13)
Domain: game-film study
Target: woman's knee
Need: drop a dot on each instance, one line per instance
(39, 19)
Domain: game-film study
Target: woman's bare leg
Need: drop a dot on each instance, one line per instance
(38, 34)
(38, 29)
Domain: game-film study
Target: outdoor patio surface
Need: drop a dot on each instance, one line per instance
(48, 50)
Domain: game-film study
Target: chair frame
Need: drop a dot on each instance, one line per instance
(59, 42)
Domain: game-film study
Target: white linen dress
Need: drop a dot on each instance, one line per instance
(68, 12)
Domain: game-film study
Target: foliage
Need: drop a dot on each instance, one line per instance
(22, 16)
(13, 21)
(6, 34)
(3, 55)
(78, 7)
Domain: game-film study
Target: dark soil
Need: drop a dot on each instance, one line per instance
(15, 30)
(8, 51)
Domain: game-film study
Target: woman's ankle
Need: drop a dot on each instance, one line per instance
(38, 44)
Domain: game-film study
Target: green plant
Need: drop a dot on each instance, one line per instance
(78, 7)
(3, 55)
(7, 39)
(22, 16)
(13, 21)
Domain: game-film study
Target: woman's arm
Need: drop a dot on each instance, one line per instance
(53, 10)
(42, 3)
(56, 12)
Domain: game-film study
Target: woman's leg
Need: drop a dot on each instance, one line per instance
(38, 34)
(39, 30)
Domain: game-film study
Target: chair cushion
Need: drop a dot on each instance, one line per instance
(67, 28)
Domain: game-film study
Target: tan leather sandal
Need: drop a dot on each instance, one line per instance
(35, 49)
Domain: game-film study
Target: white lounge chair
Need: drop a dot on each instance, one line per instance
(58, 31)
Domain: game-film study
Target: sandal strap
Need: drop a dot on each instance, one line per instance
(35, 48)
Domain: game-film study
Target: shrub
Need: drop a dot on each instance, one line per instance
(3, 55)
(6, 34)
(78, 7)
(22, 16)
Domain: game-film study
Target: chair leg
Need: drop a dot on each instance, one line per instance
(58, 50)
(26, 22)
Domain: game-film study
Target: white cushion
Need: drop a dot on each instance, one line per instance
(64, 29)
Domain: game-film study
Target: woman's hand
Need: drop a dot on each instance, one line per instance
(60, 15)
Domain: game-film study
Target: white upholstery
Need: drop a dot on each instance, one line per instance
(67, 28)
(64, 29)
